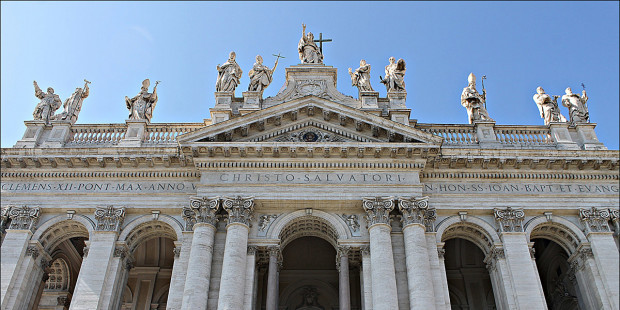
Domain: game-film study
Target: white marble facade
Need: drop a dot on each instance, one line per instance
(241, 212)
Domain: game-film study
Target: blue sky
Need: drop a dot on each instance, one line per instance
(116, 45)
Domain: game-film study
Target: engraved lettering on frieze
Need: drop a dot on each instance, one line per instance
(99, 187)
(595, 220)
(239, 209)
(109, 218)
(378, 209)
(509, 219)
(352, 221)
(24, 217)
(520, 188)
(416, 210)
(265, 221)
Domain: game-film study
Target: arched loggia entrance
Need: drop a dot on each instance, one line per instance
(309, 276)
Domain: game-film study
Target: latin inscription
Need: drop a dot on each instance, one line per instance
(310, 178)
(99, 187)
(532, 188)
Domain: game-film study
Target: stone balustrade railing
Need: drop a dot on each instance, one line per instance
(453, 134)
(525, 135)
(95, 135)
(480, 134)
(168, 133)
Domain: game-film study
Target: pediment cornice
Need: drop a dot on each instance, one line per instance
(310, 110)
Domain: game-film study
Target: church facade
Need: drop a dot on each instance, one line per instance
(308, 200)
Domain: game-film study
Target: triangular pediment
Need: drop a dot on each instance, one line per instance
(309, 119)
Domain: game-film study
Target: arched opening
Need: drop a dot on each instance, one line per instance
(309, 277)
(147, 283)
(553, 269)
(469, 283)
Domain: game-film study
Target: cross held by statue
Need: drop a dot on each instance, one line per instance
(320, 41)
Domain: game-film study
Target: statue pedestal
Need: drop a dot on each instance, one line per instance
(561, 136)
(136, 128)
(222, 111)
(485, 133)
(587, 137)
(369, 99)
(61, 131)
(398, 99)
(251, 102)
(34, 131)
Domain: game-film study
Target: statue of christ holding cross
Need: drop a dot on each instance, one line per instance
(309, 52)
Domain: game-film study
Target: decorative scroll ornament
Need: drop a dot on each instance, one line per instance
(240, 209)
(614, 215)
(595, 220)
(24, 217)
(491, 259)
(109, 218)
(417, 211)
(365, 250)
(378, 209)
(352, 222)
(310, 135)
(343, 251)
(33, 251)
(201, 210)
(311, 87)
(509, 219)
(265, 221)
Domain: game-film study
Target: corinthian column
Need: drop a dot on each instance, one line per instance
(232, 284)
(416, 214)
(342, 262)
(381, 256)
(272, 278)
(199, 216)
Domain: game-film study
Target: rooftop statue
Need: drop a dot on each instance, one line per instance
(142, 105)
(548, 107)
(73, 104)
(361, 77)
(394, 75)
(260, 75)
(309, 52)
(228, 75)
(577, 108)
(474, 102)
(50, 102)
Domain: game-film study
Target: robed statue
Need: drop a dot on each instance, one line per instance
(228, 75)
(73, 104)
(361, 77)
(142, 105)
(577, 108)
(50, 102)
(394, 75)
(261, 75)
(548, 107)
(309, 52)
(474, 102)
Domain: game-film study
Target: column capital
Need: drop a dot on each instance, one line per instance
(201, 210)
(109, 218)
(578, 259)
(365, 250)
(252, 249)
(594, 220)
(509, 219)
(240, 209)
(274, 250)
(417, 211)
(494, 255)
(378, 209)
(343, 251)
(23, 217)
